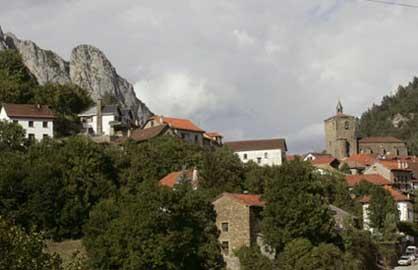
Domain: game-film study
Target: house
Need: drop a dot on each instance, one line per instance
(359, 162)
(212, 139)
(263, 152)
(375, 179)
(395, 171)
(323, 161)
(182, 128)
(183, 176)
(343, 141)
(403, 203)
(37, 120)
(238, 220)
(106, 120)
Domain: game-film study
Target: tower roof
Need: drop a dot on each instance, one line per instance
(340, 108)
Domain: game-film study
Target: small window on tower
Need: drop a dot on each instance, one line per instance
(347, 125)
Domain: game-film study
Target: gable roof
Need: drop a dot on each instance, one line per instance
(178, 123)
(253, 145)
(375, 179)
(213, 134)
(28, 111)
(382, 139)
(323, 160)
(141, 135)
(244, 199)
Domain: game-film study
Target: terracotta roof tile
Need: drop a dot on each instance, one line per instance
(257, 145)
(172, 179)
(148, 133)
(394, 165)
(323, 160)
(246, 199)
(360, 160)
(28, 111)
(179, 123)
(376, 179)
(388, 139)
(213, 134)
(396, 195)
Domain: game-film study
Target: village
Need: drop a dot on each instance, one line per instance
(380, 161)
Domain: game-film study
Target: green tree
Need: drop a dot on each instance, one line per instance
(381, 205)
(22, 251)
(16, 82)
(251, 258)
(12, 137)
(296, 207)
(156, 228)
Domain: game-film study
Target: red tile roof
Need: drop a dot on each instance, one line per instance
(257, 145)
(323, 160)
(360, 160)
(396, 195)
(172, 179)
(179, 123)
(148, 133)
(28, 111)
(376, 179)
(213, 134)
(246, 199)
(394, 165)
(388, 139)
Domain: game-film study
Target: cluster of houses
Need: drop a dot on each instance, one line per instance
(382, 161)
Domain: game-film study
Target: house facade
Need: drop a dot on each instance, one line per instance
(37, 120)
(262, 152)
(106, 120)
(396, 172)
(238, 220)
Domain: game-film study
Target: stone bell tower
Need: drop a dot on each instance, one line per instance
(341, 134)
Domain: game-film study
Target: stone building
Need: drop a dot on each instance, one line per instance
(343, 141)
(238, 220)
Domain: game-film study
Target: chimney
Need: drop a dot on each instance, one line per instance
(99, 128)
(399, 164)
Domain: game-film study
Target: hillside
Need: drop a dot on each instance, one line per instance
(395, 116)
(88, 68)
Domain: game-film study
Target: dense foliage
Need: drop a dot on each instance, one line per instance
(23, 251)
(378, 120)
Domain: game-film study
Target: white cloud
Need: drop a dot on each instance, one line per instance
(243, 38)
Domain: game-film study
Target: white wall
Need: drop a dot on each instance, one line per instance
(38, 130)
(106, 119)
(274, 157)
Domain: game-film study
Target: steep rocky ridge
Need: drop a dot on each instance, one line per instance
(88, 68)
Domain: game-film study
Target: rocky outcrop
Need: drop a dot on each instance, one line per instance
(88, 68)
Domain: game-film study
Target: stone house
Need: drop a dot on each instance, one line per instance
(238, 220)
(263, 152)
(343, 140)
(182, 128)
(37, 120)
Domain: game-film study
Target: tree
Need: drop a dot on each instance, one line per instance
(296, 207)
(251, 258)
(22, 251)
(381, 205)
(12, 137)
(16, 82)
(156, 228)
(256, 177)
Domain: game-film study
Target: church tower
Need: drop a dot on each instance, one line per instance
(341, 134)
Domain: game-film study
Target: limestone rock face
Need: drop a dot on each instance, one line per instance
(88, 68)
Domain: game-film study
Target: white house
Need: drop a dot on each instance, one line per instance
(403, 203)
(105, 120)
(263, 152)
(37, 120)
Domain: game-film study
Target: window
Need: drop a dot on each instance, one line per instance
(30, 123)
(196, 138)
(45, 124)
(266, 155)
(45, 136)
(245, 156)
(259, 160)
(347, 125)
(225, 227)
(225, 247)
(31, 136)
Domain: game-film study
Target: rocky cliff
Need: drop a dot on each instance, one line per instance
(88, 68)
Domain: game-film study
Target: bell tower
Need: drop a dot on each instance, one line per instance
(341, 134)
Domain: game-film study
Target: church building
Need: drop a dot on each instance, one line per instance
(343, 141)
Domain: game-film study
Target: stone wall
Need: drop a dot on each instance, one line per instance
(397, 149)
(341, 136)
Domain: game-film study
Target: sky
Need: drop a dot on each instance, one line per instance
(248, 69)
